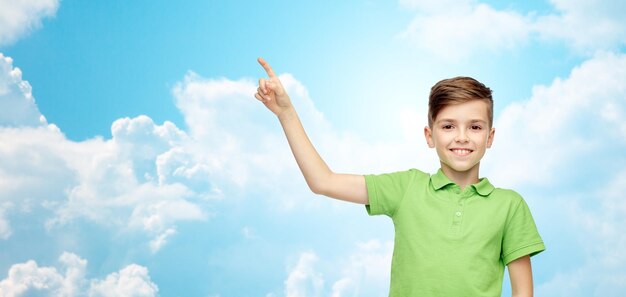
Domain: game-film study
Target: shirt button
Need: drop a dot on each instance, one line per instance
(458, 191)
(458, 213)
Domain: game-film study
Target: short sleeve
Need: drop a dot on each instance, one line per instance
(521, 237)
(385, 191)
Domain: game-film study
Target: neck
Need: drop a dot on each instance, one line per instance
(461, 178)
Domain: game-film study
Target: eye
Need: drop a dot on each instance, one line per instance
(476, 127)
(446, 127)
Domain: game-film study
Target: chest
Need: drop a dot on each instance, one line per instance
(452, 219)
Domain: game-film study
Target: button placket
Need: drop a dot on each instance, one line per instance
(457, 215)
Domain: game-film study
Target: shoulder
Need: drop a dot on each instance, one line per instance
(509, 197)
(409, 173)
(510, 202)
(506, 194)
(417, 176)
(418, 173)
(386, 191)
(397, 179)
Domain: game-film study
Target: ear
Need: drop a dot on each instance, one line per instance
(428, 134)
(492, 133)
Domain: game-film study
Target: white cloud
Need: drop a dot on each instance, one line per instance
(600, 229)
(20, 17)
(118, 181)
(231, 144)
(161, 239)
(364, 272)
(148, 177)
(236, 141)
(32, 172)
(17, 104)
(457, 29)
(248, 233)
(28, 276)
(215, 112)
(156, 216)
(133, 280)
(5, 228)
(112, 182)
(586, 25)
(108, 181)
(436, 6)
(230, 139)
(341, 286)
(29, 279)
(562, 123)
(303, 279)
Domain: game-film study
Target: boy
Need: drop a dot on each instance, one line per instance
(454, 232)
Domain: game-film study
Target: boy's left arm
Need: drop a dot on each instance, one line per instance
(521, 275)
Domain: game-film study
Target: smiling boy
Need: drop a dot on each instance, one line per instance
(454, 231)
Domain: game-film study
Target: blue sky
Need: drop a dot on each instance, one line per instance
(134, 160)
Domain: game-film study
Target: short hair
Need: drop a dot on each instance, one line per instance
(457, 90)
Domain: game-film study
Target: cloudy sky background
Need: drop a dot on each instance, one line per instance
(135, 161)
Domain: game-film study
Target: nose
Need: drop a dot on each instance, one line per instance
(461, 136)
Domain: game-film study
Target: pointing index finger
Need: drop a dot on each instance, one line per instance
(267, 67)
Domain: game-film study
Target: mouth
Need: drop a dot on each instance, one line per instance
(461, 151)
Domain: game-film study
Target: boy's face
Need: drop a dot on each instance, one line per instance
(461, 135)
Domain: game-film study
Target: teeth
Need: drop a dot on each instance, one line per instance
(461, 151)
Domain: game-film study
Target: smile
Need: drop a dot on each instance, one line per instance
(461, 152)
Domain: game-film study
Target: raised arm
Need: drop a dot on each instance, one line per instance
(318, 176)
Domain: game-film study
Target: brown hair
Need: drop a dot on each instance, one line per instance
(457, 90)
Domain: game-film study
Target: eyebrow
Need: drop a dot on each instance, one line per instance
(454, 121)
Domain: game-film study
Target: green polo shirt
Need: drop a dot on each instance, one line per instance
(450, 242)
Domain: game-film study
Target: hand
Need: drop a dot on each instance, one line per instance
(271, 91)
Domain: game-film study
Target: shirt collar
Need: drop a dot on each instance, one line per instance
(439, 180)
